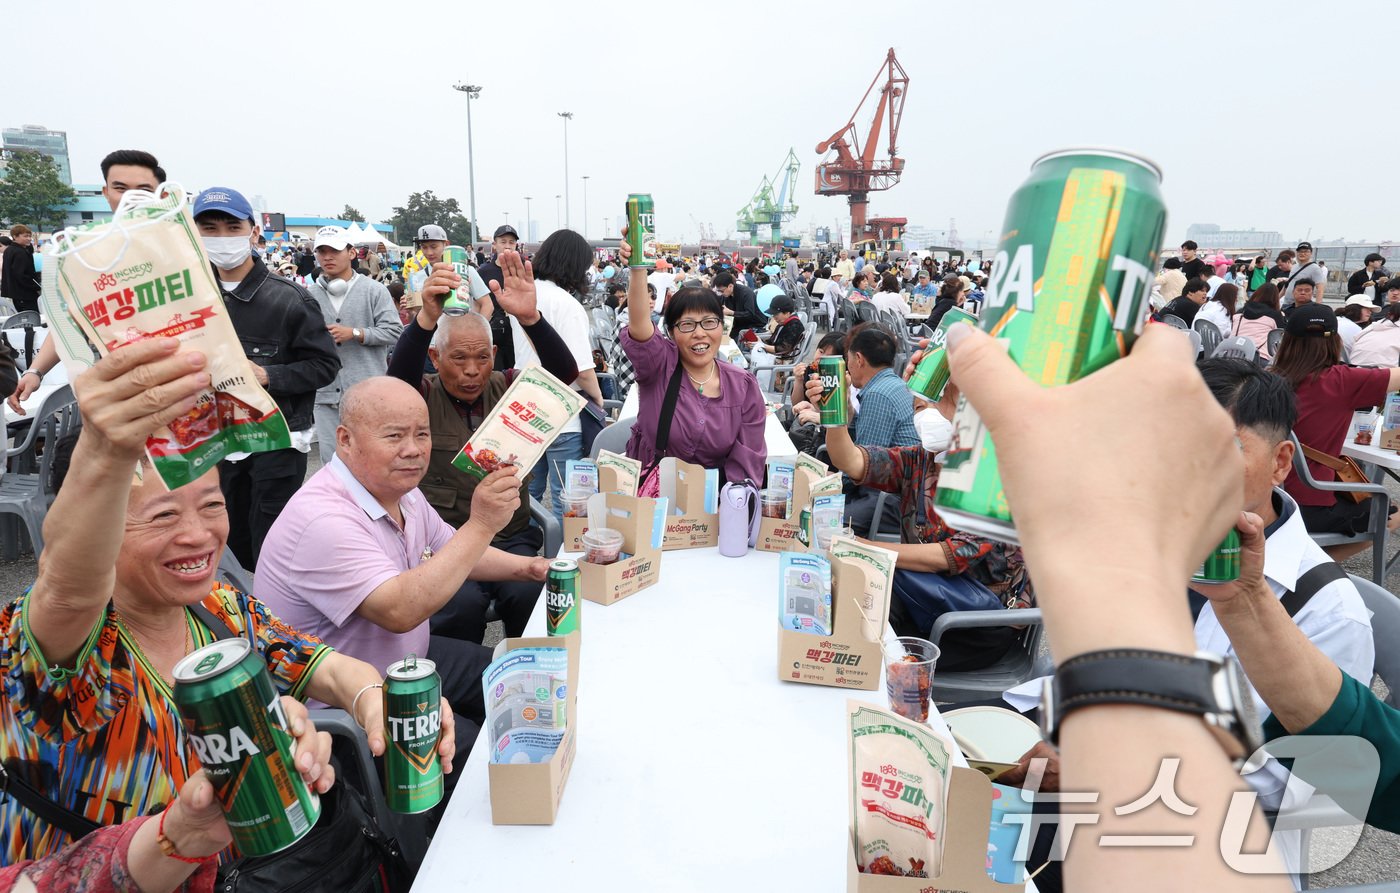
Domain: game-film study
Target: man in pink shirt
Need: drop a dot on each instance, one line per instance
(348, 559)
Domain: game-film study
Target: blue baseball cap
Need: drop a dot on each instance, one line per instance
(225, 200)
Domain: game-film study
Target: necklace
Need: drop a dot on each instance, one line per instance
(700, 385)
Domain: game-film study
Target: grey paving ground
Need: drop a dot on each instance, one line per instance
(1375, 857)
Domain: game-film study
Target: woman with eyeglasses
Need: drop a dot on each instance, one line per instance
(719, 413)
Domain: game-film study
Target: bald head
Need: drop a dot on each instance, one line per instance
(465, 325)
(383, 437)
(367, 401)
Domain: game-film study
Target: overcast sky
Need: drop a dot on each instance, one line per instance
(1274, 115)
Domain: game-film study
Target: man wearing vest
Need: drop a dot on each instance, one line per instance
(460, 397)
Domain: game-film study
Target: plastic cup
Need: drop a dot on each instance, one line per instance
(909, 663)
(601, 545)
(576, 503)
(774, 502)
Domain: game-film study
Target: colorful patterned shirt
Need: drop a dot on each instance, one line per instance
(105, 738)
(912, 474)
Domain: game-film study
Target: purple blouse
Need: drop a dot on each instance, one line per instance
(724, 432)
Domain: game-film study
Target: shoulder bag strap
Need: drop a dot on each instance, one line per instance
(220, 629)
(1322, 458)
(77, 826)
(668, 411)
(1310, 583)
(1296, 272)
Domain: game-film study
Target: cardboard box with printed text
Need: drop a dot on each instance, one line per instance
(780, 534)
(861, 583)
(529, 793)
(642, 523)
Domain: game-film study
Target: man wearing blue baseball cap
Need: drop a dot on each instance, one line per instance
(291, 354)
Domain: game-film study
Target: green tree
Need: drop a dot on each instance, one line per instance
(352, 214)
(423, 208)
(32, 192)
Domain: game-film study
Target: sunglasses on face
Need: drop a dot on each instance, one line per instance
(709, 324)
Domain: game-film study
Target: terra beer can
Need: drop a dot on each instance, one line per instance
(1068, 294)
(931, 375)
(235, 723)
(1223, 564)
(561, 597)
(641, 230)
(412, 722)
(833, 377)
(460, 301)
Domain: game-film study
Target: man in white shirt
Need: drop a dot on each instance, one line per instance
(567, 316)
(665, 283)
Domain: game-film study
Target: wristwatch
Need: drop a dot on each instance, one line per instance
(357, 334)
(1206, 685)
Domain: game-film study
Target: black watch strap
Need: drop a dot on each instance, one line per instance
(1133, 676)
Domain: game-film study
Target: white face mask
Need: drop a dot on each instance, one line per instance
(227, 252)
(935, 432)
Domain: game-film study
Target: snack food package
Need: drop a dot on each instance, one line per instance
(524, 422)
(628, 472)
(780, 477)
(581, 475)
(899, 790)
(144, 274)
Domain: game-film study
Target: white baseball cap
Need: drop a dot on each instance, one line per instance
(332, 237)
(431, 232)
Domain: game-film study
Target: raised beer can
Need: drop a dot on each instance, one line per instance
(931, 375)
(459, 302)
(561, 597)
(1068, 294)
(412, 724)
(833, 403)
(641, 230)
(233, 717)
(1223, 564)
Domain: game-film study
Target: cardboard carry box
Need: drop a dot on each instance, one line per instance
(780, 534)
(642, 523)
(609, 481)
(965, 834)
(689, 525)
(529, 793)
(850, 657)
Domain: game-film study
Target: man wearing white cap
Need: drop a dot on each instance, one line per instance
(362, 320)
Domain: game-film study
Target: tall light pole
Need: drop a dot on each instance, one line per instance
(558, 221)
(585, 206)
(473, 92)
(527, 219)
(506, 215)
(567, 116)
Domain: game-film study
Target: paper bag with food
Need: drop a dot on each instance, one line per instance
(143, 274)
(524, 422)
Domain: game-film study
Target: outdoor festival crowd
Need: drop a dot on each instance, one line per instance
(388, 549)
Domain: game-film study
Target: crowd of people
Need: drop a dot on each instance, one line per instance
(388, 549)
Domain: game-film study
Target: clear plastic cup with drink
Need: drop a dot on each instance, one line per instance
(909, 663)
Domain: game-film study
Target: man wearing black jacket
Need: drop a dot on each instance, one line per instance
(291, 354)
(18, 279)
(740, 299)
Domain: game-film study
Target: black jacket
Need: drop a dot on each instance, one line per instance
(282, 330)
(1183, 308)
(18, 279)
(744, 303)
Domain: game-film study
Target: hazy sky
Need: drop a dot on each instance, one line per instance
(1273, 115)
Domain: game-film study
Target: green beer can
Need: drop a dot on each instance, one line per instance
(459, 303)
(233, 717)
(412, 723)
(804, 526)
(561, 600)
(833, 403)
(1068, 294)
(931, 375)
(1223, 564)
(641, 230)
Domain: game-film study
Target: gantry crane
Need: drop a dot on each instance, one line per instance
(854, 171)
(763, 217)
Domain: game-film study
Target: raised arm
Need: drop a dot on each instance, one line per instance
(638, 301)
(845, 455)
(125, 397)
(516, 295)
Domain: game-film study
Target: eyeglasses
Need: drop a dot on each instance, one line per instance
(709, 324)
